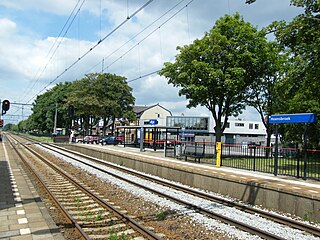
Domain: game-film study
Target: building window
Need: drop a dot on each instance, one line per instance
(250, 125)
(239, 124)
(256, 126)
(189, 123)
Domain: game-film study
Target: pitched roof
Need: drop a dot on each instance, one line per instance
(139, 110)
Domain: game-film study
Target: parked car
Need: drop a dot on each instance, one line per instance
(109, 140)
(78, 139)
(248, 144)
(102, 139)
(91, 139)
(287, 152)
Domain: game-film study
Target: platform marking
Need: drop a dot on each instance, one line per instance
(25, 231)
(281, 184)
(20, 212)
(313, 191)
(16, 193)
(22, 220)
(296, 187)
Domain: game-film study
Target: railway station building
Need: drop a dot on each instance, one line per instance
(159, 121)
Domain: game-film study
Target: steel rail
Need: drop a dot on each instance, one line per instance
(271, 216)
(240, 225)
(70, 220)
(131, 222)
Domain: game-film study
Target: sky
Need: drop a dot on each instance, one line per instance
(43, 43)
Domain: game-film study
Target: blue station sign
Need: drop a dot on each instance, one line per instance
(293, 118)
(153, 121)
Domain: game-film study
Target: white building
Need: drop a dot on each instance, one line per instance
(238, 131)
(155, 112)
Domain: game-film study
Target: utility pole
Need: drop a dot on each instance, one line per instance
(55, 120)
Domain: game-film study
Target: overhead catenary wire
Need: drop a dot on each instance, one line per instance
(64, 29)
(131, 39)
(176, 13)
(93, 47)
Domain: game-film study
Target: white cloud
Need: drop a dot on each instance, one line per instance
(24, 54)
(59, 7)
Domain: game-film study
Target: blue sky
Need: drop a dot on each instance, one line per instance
(30, 28)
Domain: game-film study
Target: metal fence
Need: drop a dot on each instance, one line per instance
(288, 162)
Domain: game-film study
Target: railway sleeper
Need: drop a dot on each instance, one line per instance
(75, 203)
(110, 235)
(104, 222)
(82, 206)
(87, 211)
(98, 231)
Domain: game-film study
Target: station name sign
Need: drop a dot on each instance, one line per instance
(153, 122)
(293, 118)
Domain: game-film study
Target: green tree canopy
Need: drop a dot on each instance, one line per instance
(299, 90)
(43, 110)
(106, 96)
(217, 70)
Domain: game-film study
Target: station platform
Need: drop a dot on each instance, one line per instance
(280, 193)
(22, 213)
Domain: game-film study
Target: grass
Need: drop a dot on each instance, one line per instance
(114, 236)
(39, 138)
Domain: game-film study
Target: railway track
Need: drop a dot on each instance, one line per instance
(91, 216)
(264, 234)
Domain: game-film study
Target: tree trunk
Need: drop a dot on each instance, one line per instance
(218, 133)
(113, 123)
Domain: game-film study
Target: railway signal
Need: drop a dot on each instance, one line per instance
(5, 106)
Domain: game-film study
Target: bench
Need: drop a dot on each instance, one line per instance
(195, 151)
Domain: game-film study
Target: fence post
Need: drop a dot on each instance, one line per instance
(305, 152)
(254, 158)
(298, 163)
(275, 171)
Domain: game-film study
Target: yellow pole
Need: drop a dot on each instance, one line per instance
(218, 156)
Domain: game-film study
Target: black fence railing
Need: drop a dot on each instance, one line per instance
(290, 161)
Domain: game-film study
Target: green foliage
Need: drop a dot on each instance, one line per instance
(96, 96)
(43, 110)
(107, 96)
(161, 216)
(217, 70)
(299, 89)
(114, 236)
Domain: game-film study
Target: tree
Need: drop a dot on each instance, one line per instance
(217, 70)
(43, 110)
(106, 96)
(300, 88)
(263, 95)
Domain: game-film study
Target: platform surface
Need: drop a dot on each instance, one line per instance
(22, 213)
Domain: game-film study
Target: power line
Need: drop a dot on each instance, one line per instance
(100, 41)
(143, 76)
(131, 39)
(176, 13)
(40, 72)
